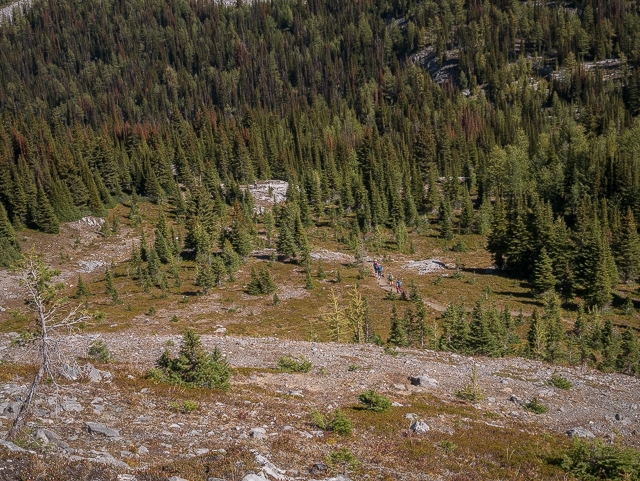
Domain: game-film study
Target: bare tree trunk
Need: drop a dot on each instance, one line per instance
(35, 385)
(24, 409)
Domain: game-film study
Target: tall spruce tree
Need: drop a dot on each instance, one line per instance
(498, 238)
(628, 249)
(543, 278)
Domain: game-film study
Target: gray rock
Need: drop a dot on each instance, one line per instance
(96, 375)
(420, 427)
(71, 406)
(515, 399)
(49, 437)
(423, 380)
(580, 432)
(258, 433)
(201, 451)
(12, 447)
(339, 477)
(126, 477)
(71, 373)
(107, 459)
(11, 410)
(253, 477)
(215, 479)
(319, 468)
(619, 417)
(142, 451)
(97, 428)
(177, 478)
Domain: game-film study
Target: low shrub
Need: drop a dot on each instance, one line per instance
(374, 401)
(193, 367)
(558, 381)
(289, 364)
(472, 392)
(99, 352)
(535, 406)
(185, 408)
(344, 459)
(600, 461)
(340, 423)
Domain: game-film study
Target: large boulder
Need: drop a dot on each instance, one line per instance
(420, 427)
(71, 373)
(49, 437)
(12, 447)
(97, 428)
(11, 410)
(423, 380)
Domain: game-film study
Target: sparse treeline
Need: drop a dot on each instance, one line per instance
(485, 330)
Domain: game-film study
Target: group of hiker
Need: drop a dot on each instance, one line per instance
(377, 271)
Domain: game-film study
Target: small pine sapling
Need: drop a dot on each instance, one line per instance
(375, 402)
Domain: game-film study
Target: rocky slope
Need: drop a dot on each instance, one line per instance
(113, 416)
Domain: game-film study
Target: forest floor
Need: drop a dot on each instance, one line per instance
(497, 438)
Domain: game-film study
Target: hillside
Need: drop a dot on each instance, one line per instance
(172, 169)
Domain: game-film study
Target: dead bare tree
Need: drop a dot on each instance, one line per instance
(52, 314)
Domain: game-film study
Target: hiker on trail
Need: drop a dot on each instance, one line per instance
(399, 286)
(379, 271)
(390, 280)
(375, 267)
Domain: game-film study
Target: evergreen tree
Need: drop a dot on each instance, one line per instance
(398, 332)
(552, 316)
(308, 280)
(537, 336)
(255, 286)
(205, 277)
(269, 225)
(446, 224)
(543, 278)
(498, 238)
(628, 255)
(44, 217)
(629, 357)
(218, 270)
(321, 273)
(240, 236)
(598, 288)
(402, 236)
(9, 246)
(82, 292)
(467, 215)
(481, 339)
(302, 243)
(153, 265)
(109, 286)
(231, 259)
(484, 217)
(433, 195)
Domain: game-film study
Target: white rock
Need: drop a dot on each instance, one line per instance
(420, 427)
